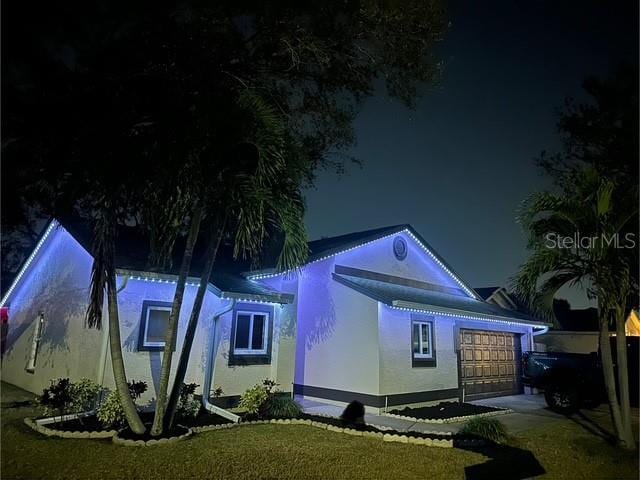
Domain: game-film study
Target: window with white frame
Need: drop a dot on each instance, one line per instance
(35, 343)
(422, 339)
(153, 325)
(251, 333)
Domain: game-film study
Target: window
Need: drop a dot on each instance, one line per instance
(251, 335)
(422, 340)
(422, 343)
(35, 343)
(153, 325)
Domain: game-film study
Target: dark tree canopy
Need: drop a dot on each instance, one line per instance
(602, 132)
(110, 97)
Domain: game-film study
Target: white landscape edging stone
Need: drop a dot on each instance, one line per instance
(113, 434)
(398, 438)
(464, 418)
(41, 427)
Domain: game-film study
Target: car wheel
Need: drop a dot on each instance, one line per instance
(561, 399)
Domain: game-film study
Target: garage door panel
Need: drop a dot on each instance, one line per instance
(491, 365)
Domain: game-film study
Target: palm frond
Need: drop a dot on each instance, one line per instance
(102, 269)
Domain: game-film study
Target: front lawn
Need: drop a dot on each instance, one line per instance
(564, 449)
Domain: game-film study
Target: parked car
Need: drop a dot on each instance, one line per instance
(574, 380)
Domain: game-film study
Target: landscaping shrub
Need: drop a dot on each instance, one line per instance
(64, 397)
(188, 405)
(84, 395)
(136, 389)
(253, 398)
(262, 400)
(280, 406)
(57, 398)
(110, 413)
(484, 427)
(218, 392)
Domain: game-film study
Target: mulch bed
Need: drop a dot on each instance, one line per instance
(176, 431)
(91, 423)
(204, 420)
(444, 410)
(86, 424)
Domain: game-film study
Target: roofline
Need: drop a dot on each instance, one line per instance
(466, 314)
(272, 272)
(505, 294)
(437, 310)
(155, 277)
(54, 224)
(47, 232)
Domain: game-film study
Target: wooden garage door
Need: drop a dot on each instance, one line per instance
(489, 363)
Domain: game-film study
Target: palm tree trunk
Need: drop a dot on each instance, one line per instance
(117, 362)
(212, 251)
(172, 327)
(623, 380)
(609, 377)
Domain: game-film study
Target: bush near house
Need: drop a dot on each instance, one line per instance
(266, 401)
(110, 413)
(188, 405)
(64, 397)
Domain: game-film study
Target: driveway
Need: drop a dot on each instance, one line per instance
(529, 411)
(532, 411)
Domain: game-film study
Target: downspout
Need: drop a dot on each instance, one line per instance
(535, 334)
(105, 339)
(210, 368)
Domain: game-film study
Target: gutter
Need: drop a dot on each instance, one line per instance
(454, 312)
(210, 368)
(540, 332)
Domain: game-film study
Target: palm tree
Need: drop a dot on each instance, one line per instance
(103, 277)
(258, 186)
(590, 211)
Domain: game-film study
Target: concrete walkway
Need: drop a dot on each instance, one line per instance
(528, 411)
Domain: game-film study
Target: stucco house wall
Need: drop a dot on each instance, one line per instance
(337, 338)
(352, 343)
(55, 284)
(396, 372)
(378, 256)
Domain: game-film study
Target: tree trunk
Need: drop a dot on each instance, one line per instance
(626, 439)
(212, 251)
(119, 375)
(609, 377)
(172, 327)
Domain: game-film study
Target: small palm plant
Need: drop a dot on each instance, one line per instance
(589, 210)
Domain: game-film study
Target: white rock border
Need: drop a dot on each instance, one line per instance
(50, 432)
(501, 411)
(398, 438)
(386, 437)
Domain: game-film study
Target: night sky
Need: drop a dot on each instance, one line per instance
(457, 167)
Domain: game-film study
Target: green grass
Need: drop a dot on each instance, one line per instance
(568, 451)
(287, 451)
